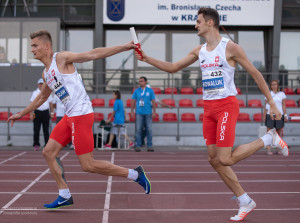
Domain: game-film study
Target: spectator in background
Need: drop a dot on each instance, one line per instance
(279, 99)
(143, 101)
(162, 104)
(60, 112)
(119, 119)
(40, 116)
(3, 58)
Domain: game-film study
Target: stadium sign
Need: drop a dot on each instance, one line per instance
(184, 12)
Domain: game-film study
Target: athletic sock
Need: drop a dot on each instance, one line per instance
(65, 193)
(244, 199)
(267, 139)
(132, 174)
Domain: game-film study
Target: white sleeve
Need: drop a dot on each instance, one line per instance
(32, 96)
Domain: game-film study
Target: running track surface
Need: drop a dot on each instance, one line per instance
(184, 189)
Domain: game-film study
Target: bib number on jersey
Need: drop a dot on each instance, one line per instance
(213, 81)
(61, 92)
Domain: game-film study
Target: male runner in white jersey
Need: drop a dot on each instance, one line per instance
(217, 59)
(61, 76)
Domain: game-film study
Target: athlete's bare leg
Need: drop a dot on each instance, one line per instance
(225, 172)
(50, 153)
(88, 164)
(229, 158)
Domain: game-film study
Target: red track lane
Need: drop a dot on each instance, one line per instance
(184, 189)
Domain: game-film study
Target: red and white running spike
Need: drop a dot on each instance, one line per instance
(278, 142)
(244, 211)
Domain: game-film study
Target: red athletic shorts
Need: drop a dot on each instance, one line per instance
(79, 129)
(219, 120)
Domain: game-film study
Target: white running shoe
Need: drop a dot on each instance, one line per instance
(244, 211)
(278, 142)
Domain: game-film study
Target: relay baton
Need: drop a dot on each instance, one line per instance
(135, 41)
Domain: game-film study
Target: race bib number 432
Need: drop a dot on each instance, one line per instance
(213, 81)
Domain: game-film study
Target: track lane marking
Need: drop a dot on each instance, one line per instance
(28, 187)
(108, 193)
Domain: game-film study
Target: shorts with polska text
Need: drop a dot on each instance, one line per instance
(219, 121)
(79, 129)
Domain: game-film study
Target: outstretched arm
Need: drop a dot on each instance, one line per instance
(236, 53)
(168, 66)
(94, 54)
(37, 102)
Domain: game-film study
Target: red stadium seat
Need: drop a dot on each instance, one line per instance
(256, 103)
(25, 117)
(170, 117)
(295, 114)
(238, 90)
(111, 102)
(169, 101)
(4, 116)
(289, 91)
(199, 103)
(98, 102)
(199, 90)
(186, 90)
(98, 117)
(128, 102)
(298, 91)
(156, 90)
(186, 103)
(289, 103)
(132, 118)
(156, 118)
(257, 117)
(241, 103)
(110, 114)
(201, 117)
(244, 117)
(169, 90)
(188, 117)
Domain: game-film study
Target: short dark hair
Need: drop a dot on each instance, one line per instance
(145, 78)
(210, 13)
(43, 34)
(118, 93)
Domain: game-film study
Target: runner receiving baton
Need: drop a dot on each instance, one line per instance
(218, 58)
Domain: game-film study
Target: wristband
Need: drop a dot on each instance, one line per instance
(285, 115)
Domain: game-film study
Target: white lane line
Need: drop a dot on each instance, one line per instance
(4, 161)
(158, 193)
(151, 210)
(107, 196)
(27, 188)
(155, 181)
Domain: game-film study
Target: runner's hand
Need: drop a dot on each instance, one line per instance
(138, 56)
(13, 118)
(274, 112)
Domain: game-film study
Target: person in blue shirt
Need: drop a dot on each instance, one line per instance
(143, 100)
(119, 119)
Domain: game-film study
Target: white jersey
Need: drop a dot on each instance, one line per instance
(60, 109)
(70, 90)
(217, 74)
(278, 97)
